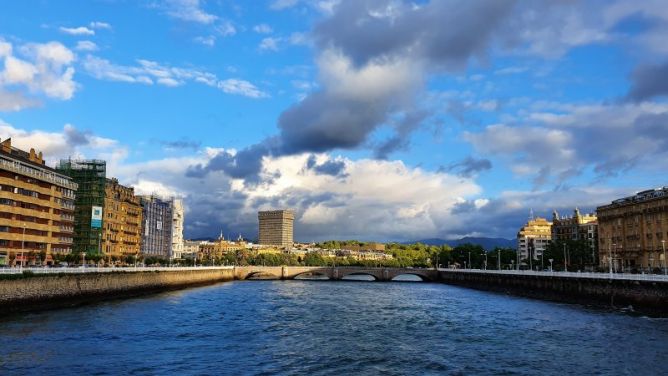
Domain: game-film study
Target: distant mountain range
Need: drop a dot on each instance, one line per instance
(486, 243)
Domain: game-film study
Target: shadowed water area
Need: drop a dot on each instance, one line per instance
(332, 328)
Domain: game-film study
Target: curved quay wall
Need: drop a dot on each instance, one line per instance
(643, 295)
(62, 290)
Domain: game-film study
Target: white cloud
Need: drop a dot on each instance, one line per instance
(263, 29)
(70, 142)
(13, 101)
(149, 72)
(209, 40)
(100, 25)
(42, 69)
(86, 45)
(269, 44)
(188, 10)
(81, 30)
(226, 29)
(560, 141)
(241, 87)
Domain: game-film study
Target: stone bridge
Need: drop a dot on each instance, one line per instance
(333, 273)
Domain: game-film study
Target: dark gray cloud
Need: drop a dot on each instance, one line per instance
(181, 144)
(245, 164)
(469, 166)
(75, 137)
(325, 121)
(329, 167)
(444, 33)
(649, 81)
(409, 122)
(385, 35)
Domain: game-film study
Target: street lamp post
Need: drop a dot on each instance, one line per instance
(663, 245)
(565, 260)
(610, 255)
(498, 260)
(470, 267)
(23, 241)
(485, 260)
(550, 260)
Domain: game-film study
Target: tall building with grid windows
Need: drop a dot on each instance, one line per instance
(156, 238)
(36, 208)
(121, 234)
(276, 227)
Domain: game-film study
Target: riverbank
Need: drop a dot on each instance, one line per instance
(47, 291)
(643, 296)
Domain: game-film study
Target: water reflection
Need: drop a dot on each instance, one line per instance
(407, 278)
(312, 277)
(342, 328)
(359, 277)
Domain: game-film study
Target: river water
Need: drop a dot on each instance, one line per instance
(332, 328)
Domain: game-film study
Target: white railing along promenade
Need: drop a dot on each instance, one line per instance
(95, 269)
(621, 276)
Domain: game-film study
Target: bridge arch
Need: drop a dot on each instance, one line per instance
(261, 274)
(359, 273)
(422, 277)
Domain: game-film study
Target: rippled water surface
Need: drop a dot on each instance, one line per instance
(332, 328)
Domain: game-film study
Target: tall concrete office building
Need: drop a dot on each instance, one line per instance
(276, 227)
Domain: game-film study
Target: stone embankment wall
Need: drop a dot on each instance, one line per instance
(59, 290)
(643, 296)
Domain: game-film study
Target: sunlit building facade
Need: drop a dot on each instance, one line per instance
(36, 208)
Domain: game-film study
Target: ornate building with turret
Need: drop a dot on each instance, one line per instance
(576, 227)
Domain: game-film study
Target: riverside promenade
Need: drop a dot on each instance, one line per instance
(52, 287)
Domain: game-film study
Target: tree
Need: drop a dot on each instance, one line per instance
(508, 255)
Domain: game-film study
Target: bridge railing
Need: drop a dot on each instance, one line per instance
(96, 269)
(619, 276)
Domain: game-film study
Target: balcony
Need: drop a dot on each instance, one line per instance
(65, 240)
(67, 217)
(67, 229)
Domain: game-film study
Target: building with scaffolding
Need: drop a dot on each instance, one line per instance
(90, 176)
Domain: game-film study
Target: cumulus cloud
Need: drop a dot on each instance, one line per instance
(555, 142)
(35, 68)
(150, 72)
(56, 145)
(333, 196)
(81, 30)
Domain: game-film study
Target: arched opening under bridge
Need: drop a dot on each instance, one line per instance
(410, 277)
(360, 277)
(260, 275)
(312, 276)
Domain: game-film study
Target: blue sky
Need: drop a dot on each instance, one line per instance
(374, 119)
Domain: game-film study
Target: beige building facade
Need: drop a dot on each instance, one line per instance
(36, 208)
(276, 227)
(121, 235)
(533, 238)
(632, 231)
(576, 227)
